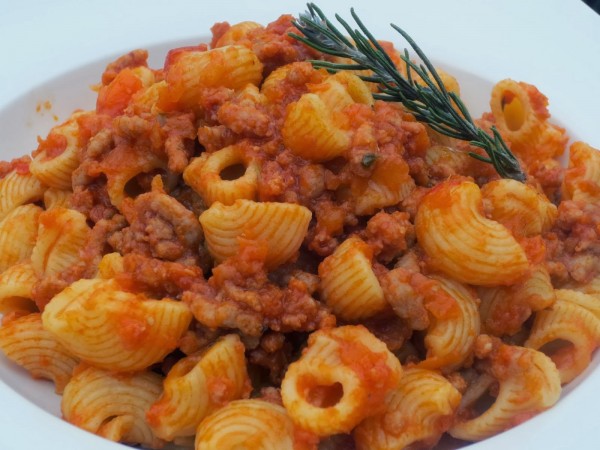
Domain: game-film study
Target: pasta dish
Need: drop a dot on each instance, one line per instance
(243, 249)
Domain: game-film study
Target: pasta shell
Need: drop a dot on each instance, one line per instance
(348, 284)
(504, 309)
(419, 410)
(62, 233)
(237, 33)
(198, 385)
(56, 198)
(450, 340)
(112, 405)
(310, 132)
(206, 176)
(461, 242)
(55, 169)
(582, 178)
(520, 113)
(530, 385)
(572, 324)
(16, 285)
(112, 329)
(254, 423)
(232, 66)
(17, 189)
(282, 225)
(18, 232)
(388, 184)
(519, 207)
(25, 341)
(342, 377)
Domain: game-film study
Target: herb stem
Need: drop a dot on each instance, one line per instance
(430, 102)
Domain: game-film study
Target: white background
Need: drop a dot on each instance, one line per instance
(554, 44)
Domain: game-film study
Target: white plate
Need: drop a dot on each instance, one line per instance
(51, 51)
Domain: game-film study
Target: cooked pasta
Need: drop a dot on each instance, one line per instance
(341, 378)
(112, 329)
(417, 412)
(198, 385)
(236, 249)
(348, 284)
(25, 341)
(112, 405)
(281, 225)
(461, 242)
(255, 424)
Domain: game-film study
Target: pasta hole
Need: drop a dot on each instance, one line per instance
(560, 351)
(514, 112)
(324, 396)
(232, 172)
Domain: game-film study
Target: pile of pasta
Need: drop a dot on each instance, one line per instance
(241, 251)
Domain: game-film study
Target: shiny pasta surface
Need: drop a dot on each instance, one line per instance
(237, 250)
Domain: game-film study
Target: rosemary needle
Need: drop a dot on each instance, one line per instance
(431, 103)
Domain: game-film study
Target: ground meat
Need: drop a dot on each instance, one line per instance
(274, 353)
(389, 328)
(573, 244)
(86, 267)
(179, 144)
(389, 235)
(274, 47)
(159, 227)
(239, 295)
(399, 289)
(158, 278)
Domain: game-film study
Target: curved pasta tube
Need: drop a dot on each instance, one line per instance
(62, 233)
(348, 284)
(519, 207)
(281, 225)
(521, 115)
(389, 183)
(254, 424)
(355, 87)
(18, 232)
(110, 265)
(450, 338)
(25, 341)
(571, 323)
(56, 198)
(418, 411)
(232, 66)
(341, 90)
(311, 132)
(341, 378)
(16, 285)
(114, 98)
(18, 188)
(504, 309)
(529, 383)
(119, 175)
(112, 405)
(461, 242)
(54, 164)
(582, 177)
(237, 33)
(198, 385)
(148, 99)
(112, 329)
(206, 175)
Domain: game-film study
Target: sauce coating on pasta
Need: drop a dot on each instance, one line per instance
(258, 252)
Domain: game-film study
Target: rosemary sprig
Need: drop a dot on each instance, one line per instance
(430, 103)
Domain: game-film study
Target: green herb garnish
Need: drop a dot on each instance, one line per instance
(368, 159)
(443, 111)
